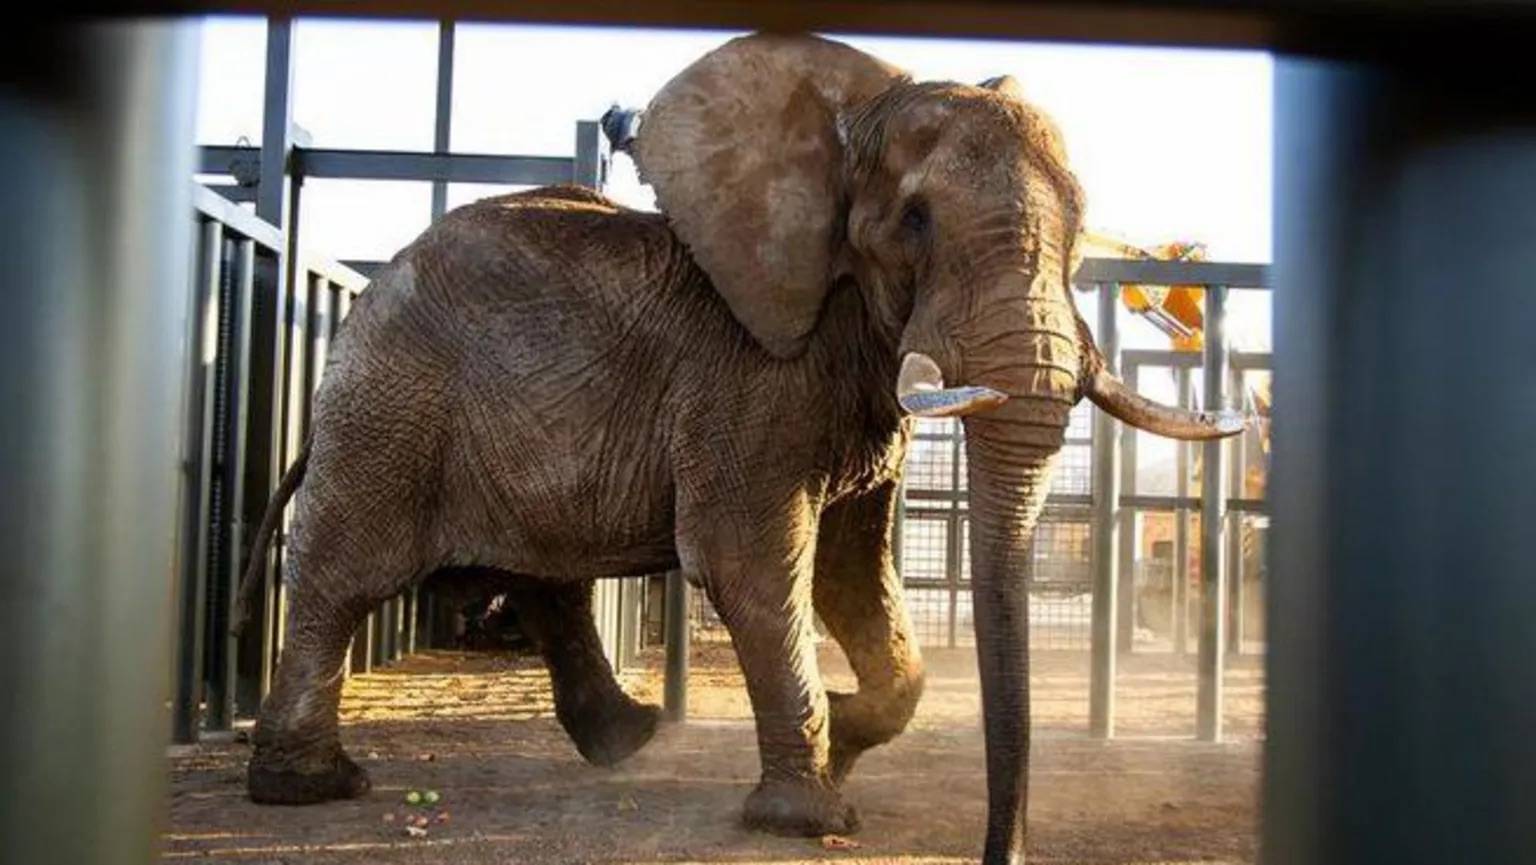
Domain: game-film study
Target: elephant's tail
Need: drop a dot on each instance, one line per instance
(251, 582)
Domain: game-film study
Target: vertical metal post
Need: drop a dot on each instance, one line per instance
(411, 599)
(677, 638)
(953, 548)
(237, 381)
(95, 159)
(591, 164)
(443, 128)
(1399, 721)
(1234, 528)
(1213, 523)
(196, 480)
(1125, 615)
(274, 203)
(1181, 528)
(1106, 501)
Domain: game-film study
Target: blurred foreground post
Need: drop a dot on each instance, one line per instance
(1403, 605)
(95, 156)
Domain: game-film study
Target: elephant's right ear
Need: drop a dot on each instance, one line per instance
(743, 150)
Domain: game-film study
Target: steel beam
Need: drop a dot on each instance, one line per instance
(1118, 270)
(196, 442)
(1213, 524)
(677, 638)
(1125, 615)
(443, 125)
(1404, 477)
(1181, 527)
(1106, 500)
(222, 688)
(95, 133)
(1234, 527)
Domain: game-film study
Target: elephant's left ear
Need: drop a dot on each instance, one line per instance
(743, 150)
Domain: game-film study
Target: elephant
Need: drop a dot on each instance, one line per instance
(560, 389)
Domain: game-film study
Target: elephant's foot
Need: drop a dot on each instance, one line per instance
(286, 785)
(608, 735)
(861, 721)
(799, 808)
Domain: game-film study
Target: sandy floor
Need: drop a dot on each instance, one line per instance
(479, 729)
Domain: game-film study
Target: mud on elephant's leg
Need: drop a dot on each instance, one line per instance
(298, 759)
(604, 722)
(757, 571)
(858, 596)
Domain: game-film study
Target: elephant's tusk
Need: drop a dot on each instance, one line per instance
(1112, 395)
(920, 390)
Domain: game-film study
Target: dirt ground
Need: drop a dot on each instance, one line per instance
(479, 729)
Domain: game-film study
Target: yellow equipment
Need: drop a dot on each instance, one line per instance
(1173, 309)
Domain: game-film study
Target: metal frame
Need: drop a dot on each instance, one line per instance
(276, 310)
(1115, 502)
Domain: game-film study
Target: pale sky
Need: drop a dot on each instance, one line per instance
(1169, 144)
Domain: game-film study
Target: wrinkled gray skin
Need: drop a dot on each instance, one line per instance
(548, 385)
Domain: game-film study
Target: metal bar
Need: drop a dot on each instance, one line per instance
(1404, 480)
(952, 549)
(1213, 563)
(407, 165)
(1175, 360)
(237, 383)
(677, 637)
(1246, 360)
(1120, 270)
(277, 125)
(275, 204)
(1125, 617)
(235, 192)
(93, 352)
(186, 713)
(443, 127)
(236, 219)
(1106, 496)
(1181, 527)
(590, 167)
(412, 613)
(450, 168)
(1234, 527)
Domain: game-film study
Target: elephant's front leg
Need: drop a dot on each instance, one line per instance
(606, 724)
(756, 568)
(858, 596)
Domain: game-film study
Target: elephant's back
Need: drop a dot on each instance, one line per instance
(532, 320)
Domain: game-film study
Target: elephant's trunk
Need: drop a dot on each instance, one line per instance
(1009, 477)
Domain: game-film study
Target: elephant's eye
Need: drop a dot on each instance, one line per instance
(915, 218)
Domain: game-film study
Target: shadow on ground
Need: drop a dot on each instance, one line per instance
(480, 730)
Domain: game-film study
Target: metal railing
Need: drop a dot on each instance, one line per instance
(265, 313)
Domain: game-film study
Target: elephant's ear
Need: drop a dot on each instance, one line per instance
(743, 151)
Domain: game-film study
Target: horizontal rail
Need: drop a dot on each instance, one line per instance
(918, 502)
(235, 218)
(402, 165)
(1240, 360)
(1122, 270)
(334, 272)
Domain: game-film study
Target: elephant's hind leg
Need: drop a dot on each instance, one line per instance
(604, 722)
(298, 759)
(857, 593)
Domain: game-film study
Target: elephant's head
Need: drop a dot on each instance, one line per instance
(788, 163)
